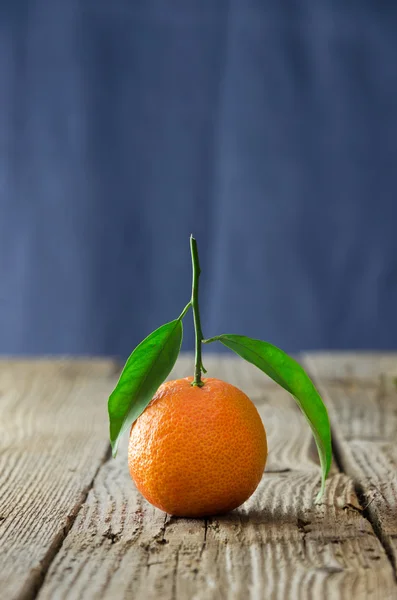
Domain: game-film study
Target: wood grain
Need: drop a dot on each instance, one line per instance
(361, 394)
(278, 545)
(53, 439)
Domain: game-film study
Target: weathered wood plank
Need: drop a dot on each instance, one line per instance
(62, 367)
(52, 441)
(361, 393)
(278, 545)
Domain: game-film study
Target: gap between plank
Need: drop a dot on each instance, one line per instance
(34, 584)
(364, 503)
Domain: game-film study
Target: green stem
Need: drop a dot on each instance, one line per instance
(183, 313)
(198, 364)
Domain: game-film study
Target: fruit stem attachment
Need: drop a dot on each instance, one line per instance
(198, 363)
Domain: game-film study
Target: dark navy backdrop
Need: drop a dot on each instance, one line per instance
(267, 128)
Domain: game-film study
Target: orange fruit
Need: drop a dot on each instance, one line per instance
(197, 451)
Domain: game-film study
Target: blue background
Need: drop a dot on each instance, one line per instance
(266, 128)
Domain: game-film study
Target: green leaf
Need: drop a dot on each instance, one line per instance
(285, 371)
(148, 366)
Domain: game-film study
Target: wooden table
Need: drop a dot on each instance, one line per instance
(73, 526)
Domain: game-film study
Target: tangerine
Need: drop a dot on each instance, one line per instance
(197, 451)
